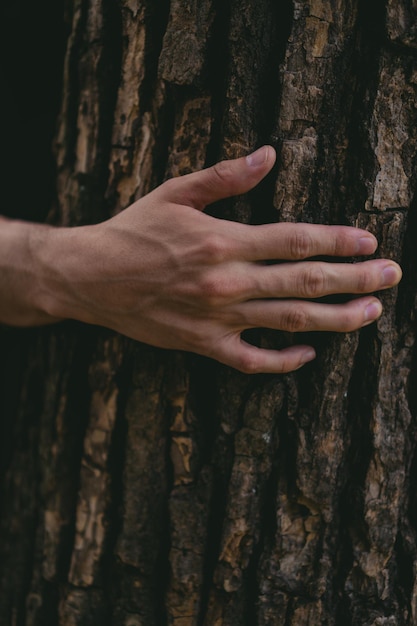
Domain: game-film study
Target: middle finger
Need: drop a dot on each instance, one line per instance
(314, 279)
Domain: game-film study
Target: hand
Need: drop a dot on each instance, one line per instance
(165, 273)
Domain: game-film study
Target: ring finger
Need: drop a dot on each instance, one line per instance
(305, 316)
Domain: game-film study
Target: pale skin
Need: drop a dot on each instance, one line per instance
(165, 273)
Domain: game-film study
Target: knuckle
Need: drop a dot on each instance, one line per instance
(213, 249)
(312, 281)
(301, 245)
(221, 172)
(364, 281)
(348, 320)
(351, 323)
(213, 290)
(286, 365)
(341, 244)
(248, 363)
(295, 319)
(169, 185)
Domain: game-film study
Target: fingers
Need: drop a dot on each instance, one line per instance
(315, 279)
(252, 360)
(303, 316)
(288, 241)
(292, 316)
(225, 179)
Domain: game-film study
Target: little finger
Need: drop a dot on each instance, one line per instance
(252, 360)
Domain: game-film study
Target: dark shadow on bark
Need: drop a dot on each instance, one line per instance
(359, 90)
(216, 77)
(362, 390)
(32, 46)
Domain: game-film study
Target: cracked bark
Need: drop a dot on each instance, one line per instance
(144, 488)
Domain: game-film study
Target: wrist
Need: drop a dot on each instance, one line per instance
(60, 255)
(21, 302)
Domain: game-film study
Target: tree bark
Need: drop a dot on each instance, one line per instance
(141, 487)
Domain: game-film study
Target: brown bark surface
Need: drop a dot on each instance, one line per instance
(141, 487)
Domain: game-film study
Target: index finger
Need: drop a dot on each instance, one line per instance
(288, 241)
(223, 180)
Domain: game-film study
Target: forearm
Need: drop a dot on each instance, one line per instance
(23, 301)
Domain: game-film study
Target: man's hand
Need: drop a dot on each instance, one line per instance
(165, 273)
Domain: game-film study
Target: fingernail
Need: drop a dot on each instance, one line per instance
(372, 312)
(309, 355)
(391, 275)
(258, 158)
(367, 245)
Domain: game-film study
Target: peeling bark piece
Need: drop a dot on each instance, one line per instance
(183, 54)
(394, 136)
(191, 136)
(298, 159)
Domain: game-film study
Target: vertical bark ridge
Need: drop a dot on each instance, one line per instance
(142, 541)
(57, 411)
(94, 493)
(139, 107)
(85, 120)
(19, 513)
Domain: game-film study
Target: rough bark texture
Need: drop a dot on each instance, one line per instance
(146, 488)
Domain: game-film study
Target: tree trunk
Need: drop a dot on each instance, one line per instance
(141, 487)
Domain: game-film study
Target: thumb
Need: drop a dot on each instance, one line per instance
(225, 179)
